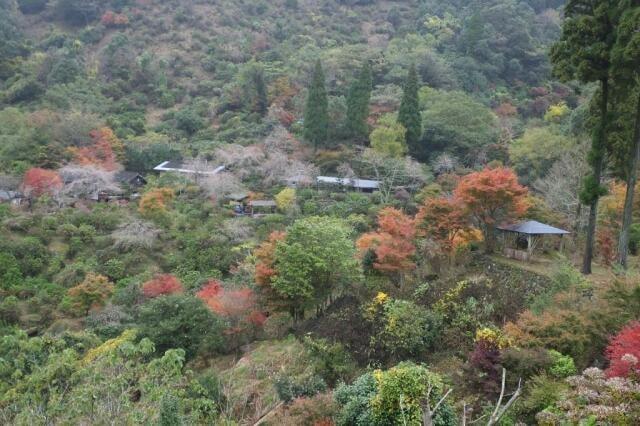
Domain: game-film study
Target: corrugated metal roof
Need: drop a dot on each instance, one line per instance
(355, 182)
(173, 166)
(533, 227)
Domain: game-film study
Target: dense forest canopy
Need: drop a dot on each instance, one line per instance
(316, 212)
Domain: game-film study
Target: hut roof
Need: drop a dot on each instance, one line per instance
(179, 167)
(533, 227)
(125, 176)
(237, 196)
(355, 182)
(262, 203)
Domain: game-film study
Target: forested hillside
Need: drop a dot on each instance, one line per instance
(319, 212)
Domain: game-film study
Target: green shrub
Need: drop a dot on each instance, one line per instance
(407, 329)
(10, 274)
(354, 400)
(542, 392)
(77, 12)
(32, 6)
(181, 321)
(330, 360)
(290, 388)
(24, 90)
(115, 269)
(401, 391)
(563, 365)
(393, 397)
(188, 120)
(525, 362)
(9, 310)
(634, 238)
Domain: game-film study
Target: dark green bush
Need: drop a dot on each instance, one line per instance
(181, 321)
(290, 388)
(32, 6)
(77, 12)
(634, 238)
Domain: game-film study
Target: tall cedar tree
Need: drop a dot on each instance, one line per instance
(626, 63)
(583, 53)
(261, 104)
(316, 113)
(409, 114)
(358, 105)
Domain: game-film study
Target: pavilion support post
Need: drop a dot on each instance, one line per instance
(561, 243)
(529, 247)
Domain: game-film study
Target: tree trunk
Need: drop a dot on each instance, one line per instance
(577, 224)
(598, 165)
(632, 179)
(489, 239)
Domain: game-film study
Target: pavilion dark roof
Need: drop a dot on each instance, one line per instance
(533, 227)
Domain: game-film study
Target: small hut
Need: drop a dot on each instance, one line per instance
(261, 207)
(520, 240)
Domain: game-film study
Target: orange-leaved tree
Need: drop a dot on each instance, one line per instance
(492, 196)
(37, 182)
(90, 293)
(104, 152)
(265, 271)
(392, 245)
(155, 201)
(162, 284)
(443, 220)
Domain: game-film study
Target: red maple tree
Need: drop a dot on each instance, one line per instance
(38, 182)
(492, 196)
(236, 305)
(162, 284)
(623, 352)
(392, 243)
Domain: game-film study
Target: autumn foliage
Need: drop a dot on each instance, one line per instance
(392, 243)
(237, 305)
(606, 245)
(113, 19)
(162, 284)
(155, 201)
(492, 196)
(104, 152)
(443, 220)
(265, 255)
(90, 294)
(623, 352)
(37, 182)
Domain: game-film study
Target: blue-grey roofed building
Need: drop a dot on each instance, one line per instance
(363, 185)
(521, 239)
(532, 227)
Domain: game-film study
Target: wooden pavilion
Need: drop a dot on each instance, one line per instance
(261, 207)
(520, 240)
